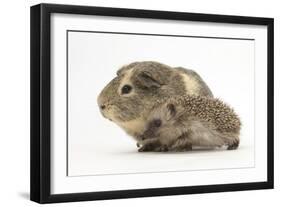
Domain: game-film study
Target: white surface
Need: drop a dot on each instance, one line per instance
(93, 146)
(14, 175)
(97, 146)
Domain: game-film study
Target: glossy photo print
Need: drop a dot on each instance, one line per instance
(132, 103)
(159, 103)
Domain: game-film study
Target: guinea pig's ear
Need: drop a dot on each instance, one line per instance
(125, 68)
(121, 70)
(148, 79)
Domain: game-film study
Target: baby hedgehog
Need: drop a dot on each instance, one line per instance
(178, 123)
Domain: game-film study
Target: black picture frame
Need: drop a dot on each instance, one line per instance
(40, 102)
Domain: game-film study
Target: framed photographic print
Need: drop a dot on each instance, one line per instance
(133, 103)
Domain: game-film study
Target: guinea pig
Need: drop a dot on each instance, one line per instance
(127, 98)
(179, 123)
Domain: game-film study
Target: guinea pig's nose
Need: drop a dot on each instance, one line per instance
(102, 107)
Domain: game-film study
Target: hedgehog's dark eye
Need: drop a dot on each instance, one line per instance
(157, 122)
(126, 89)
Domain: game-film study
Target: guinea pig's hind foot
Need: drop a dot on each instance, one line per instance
(233, 146)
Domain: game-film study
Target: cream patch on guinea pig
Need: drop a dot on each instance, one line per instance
(191, 85)
(134, 126)
(126, 80)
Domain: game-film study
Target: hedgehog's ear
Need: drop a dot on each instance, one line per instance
(171, 111)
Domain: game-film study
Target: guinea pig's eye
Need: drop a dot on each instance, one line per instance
(157, 122)
(126, 89)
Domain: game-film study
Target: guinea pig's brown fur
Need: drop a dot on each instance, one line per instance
(127, 98)
(179, 123)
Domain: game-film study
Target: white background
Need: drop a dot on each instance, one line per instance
(14, 86)
(98, 146)
(213, 68)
